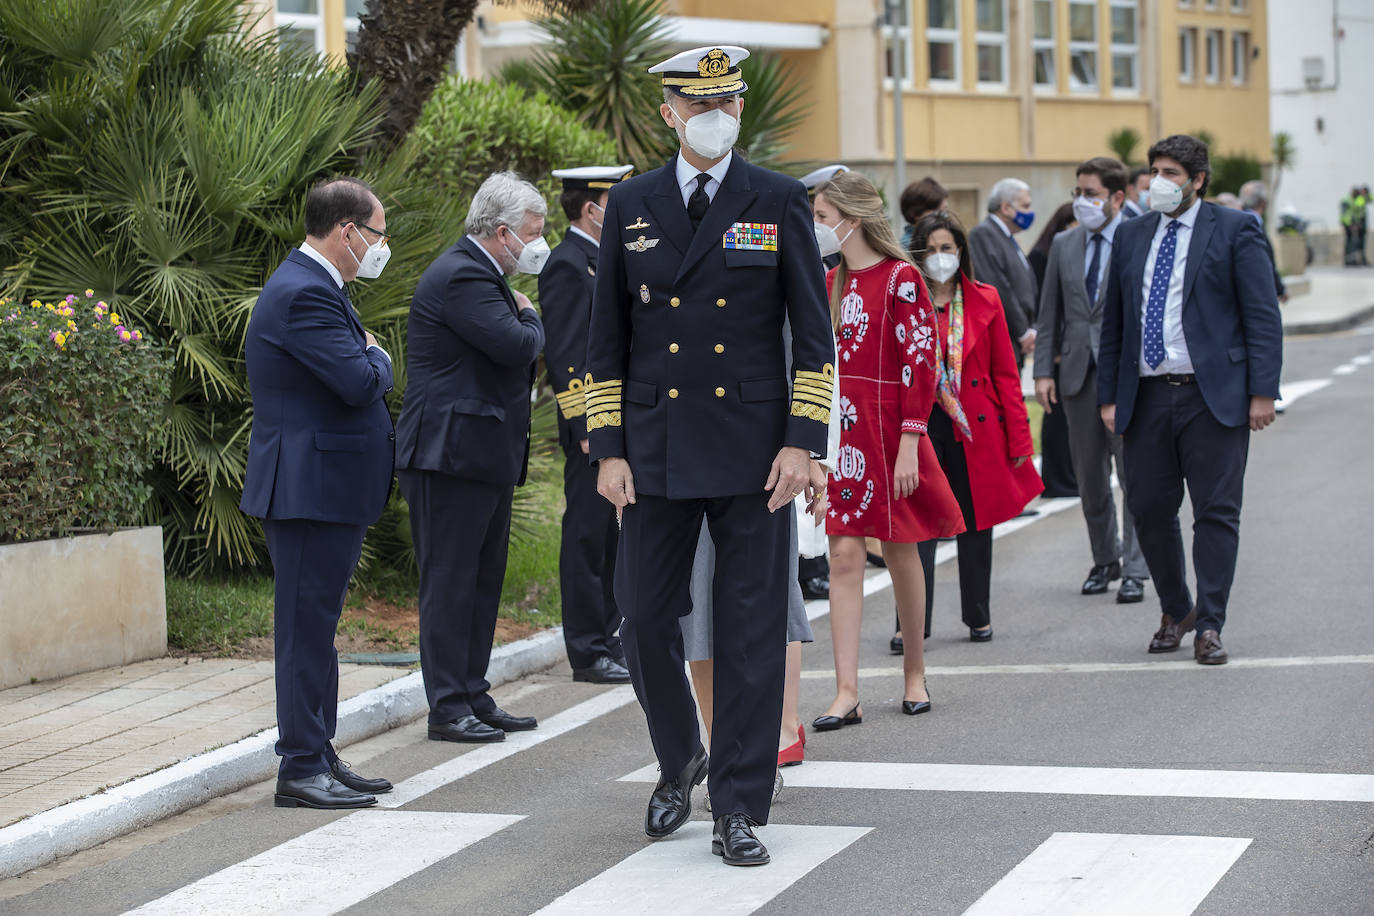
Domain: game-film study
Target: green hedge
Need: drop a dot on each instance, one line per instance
(83, 403)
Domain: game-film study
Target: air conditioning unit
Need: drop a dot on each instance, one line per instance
(1313, 71)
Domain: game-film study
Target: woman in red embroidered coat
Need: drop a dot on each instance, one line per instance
(887, 482)
(979, 427)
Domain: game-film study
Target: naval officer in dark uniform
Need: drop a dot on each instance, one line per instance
(689, 415)
(586, 559)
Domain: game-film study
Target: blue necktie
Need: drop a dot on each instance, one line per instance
(1094, 267)
(1159, 295)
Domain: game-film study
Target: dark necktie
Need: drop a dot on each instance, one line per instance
(1094, 266)
(1159, 297)
(698, 202)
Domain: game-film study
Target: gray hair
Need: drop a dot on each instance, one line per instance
(1253, 194)
(504, 199)
(1004, 191)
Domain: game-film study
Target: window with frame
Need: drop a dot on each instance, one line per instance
(1125, 45)
(1239, 6)
(1209, 4)
(1213, 61)
(1083, 45)
(1240, 57)
(942, 42)
(902, 30)
(301, 23)
(1187, 55)
(1042, 43)
(991, 39)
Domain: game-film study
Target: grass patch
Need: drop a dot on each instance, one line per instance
(530, 593)
(213, 616)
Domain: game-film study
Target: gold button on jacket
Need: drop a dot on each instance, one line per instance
(672, 392)
(672, 348)
(675, 302)
(720, 348)
(720, 392)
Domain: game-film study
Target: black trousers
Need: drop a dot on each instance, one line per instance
(813, 568)
(312, 563)
(1173, 440)
(461, 530)
(586, 567)
(1056, 465)
(975, 547)
(749, 615)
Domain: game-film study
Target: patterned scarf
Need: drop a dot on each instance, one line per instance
(949, 372)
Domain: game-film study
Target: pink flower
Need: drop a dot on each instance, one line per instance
(138, 335)
(125, 335)
(70, 299)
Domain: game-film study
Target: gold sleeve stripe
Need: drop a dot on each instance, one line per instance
(598, 421)
(817, 390)
(825, 376)
(603, 400)
(811, 412)
(812, 398)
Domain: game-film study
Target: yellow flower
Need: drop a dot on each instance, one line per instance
(90, 293)
(114, 319)
(71, 324)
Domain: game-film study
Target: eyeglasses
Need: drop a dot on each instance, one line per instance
(385, 236)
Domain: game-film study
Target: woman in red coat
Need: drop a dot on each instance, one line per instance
(979, 426)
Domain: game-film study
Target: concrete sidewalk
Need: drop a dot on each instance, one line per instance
(1337, 298)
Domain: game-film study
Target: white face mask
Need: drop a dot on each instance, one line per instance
(829, 242)
(1165, 196)
(941, 265)
(1090, 212)
(599, 223)
(710, 134)
(373, 260)
(532, 254)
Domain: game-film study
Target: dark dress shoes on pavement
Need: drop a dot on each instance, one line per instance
(320, 791)
(815, 587)
(897, 645)
(605, 670)
(1171, 632)
(734, 841)
(496, 717)
(344, 774)
(831, 723)
(466, 729)
(1207, 648)
(984, 635)
(1132, 591)
(1099, 577)
(671, 803)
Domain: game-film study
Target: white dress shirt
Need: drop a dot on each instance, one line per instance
(586, 235)
(1176, 358)
(687, 176)
(490, 257)
(328, 265)
(1108, 234)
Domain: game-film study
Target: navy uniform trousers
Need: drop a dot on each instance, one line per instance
(653, 577)
(586, 566)
(312, 563)
(460, 529)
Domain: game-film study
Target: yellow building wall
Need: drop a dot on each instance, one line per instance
(1073, 129)
(803, 11)
(817, 136)
(940, 126)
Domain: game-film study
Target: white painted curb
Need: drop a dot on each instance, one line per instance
(95, 819)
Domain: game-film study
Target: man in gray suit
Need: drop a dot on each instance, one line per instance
(999, 260)
(1069, 328)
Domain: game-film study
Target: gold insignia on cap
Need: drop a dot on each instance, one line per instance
(715, 63)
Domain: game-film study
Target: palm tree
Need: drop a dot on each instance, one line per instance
(1124, 143)
(1285, 157)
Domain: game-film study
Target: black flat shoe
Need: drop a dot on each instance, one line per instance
(605, 670)
(875, 560)
(980, 635)
(830, 723)
(734, 841)
(320, 791)
(916, 707)
(671, 803)
(496, 717)
(897, 645)
(344, 774)
(465, 729)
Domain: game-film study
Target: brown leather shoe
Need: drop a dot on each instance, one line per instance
(1207, 648)
(1171, 632)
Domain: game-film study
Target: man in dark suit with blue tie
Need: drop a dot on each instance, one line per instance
(689, 415)
(1191, 349)
(318, 472)
(463, 443)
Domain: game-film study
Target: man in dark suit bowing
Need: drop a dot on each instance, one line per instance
(586, 559)
(318, 471)
(688, 415)
(463, 446)
(1189, 362)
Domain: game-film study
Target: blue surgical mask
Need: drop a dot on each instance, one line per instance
(1024, 218)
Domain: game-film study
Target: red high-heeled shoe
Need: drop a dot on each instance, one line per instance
(793, 754)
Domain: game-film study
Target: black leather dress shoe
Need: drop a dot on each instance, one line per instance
(605, 670)
(1207, 649)
(815, 587)
(830, 723)
(671, 803)
(497, 717)
(1171, 631)
(1099, 576)
(897, 644)
(467, 729)
(319, 791)
(734, 841)
(980, 635)
(1132, 591)
(345, 775)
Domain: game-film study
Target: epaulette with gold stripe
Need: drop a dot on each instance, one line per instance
(812, 393)
(572, 402)
(602, 402)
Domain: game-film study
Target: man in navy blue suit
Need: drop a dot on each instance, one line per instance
(1189, 362)
(319, 471)
(463, 445)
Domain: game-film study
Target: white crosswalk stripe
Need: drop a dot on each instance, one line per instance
(1088, 874)
(680, 875)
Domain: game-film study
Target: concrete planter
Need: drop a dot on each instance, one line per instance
(80, 603)
(1291, 252)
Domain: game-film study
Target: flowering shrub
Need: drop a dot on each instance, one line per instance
(83, 411)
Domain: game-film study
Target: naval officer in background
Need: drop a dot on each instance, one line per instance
(586, 558)
(689, 416)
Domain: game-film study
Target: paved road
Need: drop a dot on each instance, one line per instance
(1063, 769)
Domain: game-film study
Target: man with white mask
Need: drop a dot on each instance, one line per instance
(1068, 330)
(463, 445)
(689, 416)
